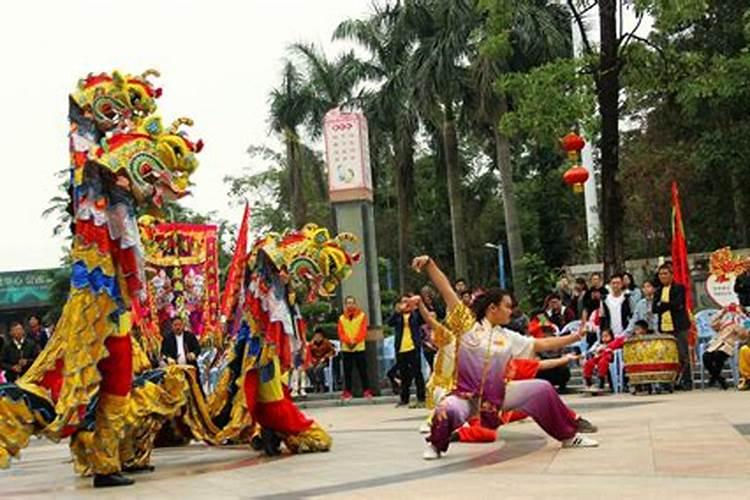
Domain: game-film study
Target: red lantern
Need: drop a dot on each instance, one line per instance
(572, 143)
(576, 176)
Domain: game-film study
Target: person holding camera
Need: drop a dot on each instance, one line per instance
(407, 322)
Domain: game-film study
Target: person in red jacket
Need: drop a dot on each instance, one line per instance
(603, 353)
(352, 330)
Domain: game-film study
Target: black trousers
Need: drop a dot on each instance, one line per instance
(317, 375)
(683, 353)
(714, 363)
(429, 356)
(409, 368)
(558, 377)
(354, 360)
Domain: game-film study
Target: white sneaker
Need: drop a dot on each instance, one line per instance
(430, 452)
(580, 441)
(425, 428)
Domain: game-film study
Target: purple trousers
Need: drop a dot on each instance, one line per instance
(535, 397)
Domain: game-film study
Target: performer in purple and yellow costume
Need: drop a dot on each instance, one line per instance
(485, 349)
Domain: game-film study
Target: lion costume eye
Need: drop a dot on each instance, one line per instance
(135, 97)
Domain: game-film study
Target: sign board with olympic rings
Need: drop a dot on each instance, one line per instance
(347, 155)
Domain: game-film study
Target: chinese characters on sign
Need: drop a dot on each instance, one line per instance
(183, 279)
(724, 269)
(26, 288)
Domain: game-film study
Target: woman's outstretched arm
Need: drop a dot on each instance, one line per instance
(438, 278)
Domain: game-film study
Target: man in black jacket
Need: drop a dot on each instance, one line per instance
(669, 304)
(407, 323)
(18, 353)
(594, 295)
(37, 332)
(180, 346)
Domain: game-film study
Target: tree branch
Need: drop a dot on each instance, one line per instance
(658, 49)
(588, 8)
(624, 40)
(579, 21)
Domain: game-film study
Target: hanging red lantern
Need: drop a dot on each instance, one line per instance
(576, 176)
(572, 143)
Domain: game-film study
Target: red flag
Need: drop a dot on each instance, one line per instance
(236, 268)
(680, 265)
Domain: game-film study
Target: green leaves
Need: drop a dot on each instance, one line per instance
(548, 102)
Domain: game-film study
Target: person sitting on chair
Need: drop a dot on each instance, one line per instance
(319, 352)
(721, 347)
(18, 353)
(180, 346)
(603, 354)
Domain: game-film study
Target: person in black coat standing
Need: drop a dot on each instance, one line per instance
(19, 352)
(180, 346)
(407, 323)
(669, 304)
(37, 332)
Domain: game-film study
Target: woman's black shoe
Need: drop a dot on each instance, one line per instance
(111, 480)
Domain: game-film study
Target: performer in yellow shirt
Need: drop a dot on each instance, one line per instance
(744, 367)
(670, 305)
(352, 330)
(407, 325)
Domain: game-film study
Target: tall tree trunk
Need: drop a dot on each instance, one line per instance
(608, 90)
(738, 196)
(512, 224)
(453, 173)
(404, 174)
(297, 194)
(319, 176)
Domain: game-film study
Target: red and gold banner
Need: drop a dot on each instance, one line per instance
(182, 266)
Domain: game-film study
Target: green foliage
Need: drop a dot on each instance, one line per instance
(265, 185)
(548, 102)
(540, 281)
(693, 83)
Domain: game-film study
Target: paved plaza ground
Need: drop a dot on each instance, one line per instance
(690, 445)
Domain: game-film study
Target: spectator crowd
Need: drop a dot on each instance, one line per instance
(610, 310)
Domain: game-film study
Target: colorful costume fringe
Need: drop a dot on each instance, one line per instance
(80, 384)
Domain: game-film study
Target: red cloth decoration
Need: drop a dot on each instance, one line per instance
(117, 368)
(236, 272)
(680, 266)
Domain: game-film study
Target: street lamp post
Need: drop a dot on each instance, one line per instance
(500, 262)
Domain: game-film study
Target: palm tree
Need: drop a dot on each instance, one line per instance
(329, 83)
(290, 105)
(439, 65)
(390, 107)
(538, 32)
